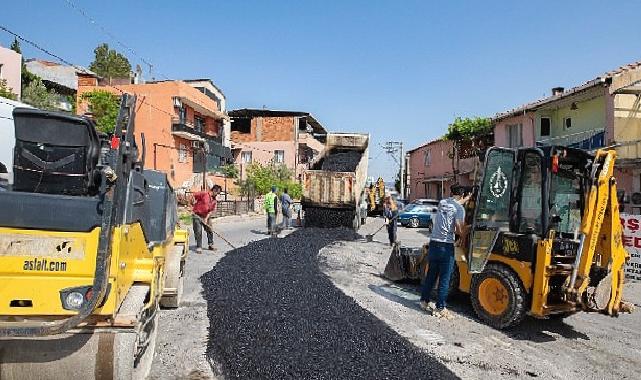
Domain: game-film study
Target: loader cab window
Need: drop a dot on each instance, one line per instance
(565, 201)
(530, 205)
(493, 202)
(493, 207)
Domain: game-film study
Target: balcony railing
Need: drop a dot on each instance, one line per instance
(187, 130)
(588, 140)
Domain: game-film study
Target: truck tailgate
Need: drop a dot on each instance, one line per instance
(330, 189)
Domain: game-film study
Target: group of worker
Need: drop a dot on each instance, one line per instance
(272, 202)
(204, 206)
(448, 222)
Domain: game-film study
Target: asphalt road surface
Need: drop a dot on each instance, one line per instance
(253, 318)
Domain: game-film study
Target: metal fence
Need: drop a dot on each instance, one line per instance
(224, 208)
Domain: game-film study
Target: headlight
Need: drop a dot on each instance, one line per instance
(74, 300)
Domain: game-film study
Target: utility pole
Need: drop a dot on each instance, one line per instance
(392, 148)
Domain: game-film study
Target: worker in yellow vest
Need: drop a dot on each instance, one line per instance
(270, 209)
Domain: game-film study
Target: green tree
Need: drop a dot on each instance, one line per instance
(104, 106)
(262, 177)
(230, 171)
(6, 91)
(468, 127)
(36, 94)
(15, 46)
(110, 64)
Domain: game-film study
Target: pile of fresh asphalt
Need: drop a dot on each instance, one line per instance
(324, 217)
(274, 315)
(345, 161)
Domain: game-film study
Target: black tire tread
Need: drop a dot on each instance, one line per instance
(518, 297)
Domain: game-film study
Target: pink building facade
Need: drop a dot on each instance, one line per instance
(515, 130)
(431, 169)
(290, 138)
(11, 70)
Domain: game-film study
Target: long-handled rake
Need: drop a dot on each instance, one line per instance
(215, 232)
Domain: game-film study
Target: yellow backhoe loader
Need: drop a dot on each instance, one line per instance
(543, 237)
(89, 249)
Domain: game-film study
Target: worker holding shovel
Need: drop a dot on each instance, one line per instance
(204, 204)
(390, 211)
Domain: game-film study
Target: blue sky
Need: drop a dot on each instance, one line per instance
(400, 70)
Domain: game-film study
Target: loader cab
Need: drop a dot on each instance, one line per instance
(524, 193)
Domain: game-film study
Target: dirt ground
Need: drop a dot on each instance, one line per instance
(583, 346)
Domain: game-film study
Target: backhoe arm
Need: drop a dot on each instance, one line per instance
(601, 235)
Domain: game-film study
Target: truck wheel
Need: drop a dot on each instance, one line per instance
(173, 290)
(498, 297)
(414, 222)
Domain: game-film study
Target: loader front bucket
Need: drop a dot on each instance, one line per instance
(406, 264)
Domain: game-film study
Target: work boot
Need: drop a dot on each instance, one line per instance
(199, 250)
(428, 306)
(443, 314)
(211, 247)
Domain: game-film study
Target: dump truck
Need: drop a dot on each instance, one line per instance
(542, 238)
(334, 186)
(89, 250)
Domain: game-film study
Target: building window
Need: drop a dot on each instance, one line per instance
(567, 122)
(279, 156)
(428, 157)
(545, 126)
(199, 123)
(183, 114)
(182, 153)
(241, 125)
(246, 157)
(514, 135)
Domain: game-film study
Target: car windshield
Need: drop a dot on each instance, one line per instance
(410, 207)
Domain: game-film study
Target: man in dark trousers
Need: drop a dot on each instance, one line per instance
(204, 204)
(450, 216)
(286, 203)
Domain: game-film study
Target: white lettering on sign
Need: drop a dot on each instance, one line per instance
(632, 243)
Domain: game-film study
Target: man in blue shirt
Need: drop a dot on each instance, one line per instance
(449, 217)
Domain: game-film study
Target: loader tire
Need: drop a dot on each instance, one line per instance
(174, 279)
(498, 296)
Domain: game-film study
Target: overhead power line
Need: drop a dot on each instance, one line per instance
(142, 100)
(102, 28)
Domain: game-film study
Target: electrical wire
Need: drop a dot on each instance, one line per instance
(83, 70)
(93, 21)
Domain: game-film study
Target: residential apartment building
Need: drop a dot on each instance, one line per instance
(604, 111)
(63, 79)
(433, 169)
(11, 70)
(183, 127)
(282, 137)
